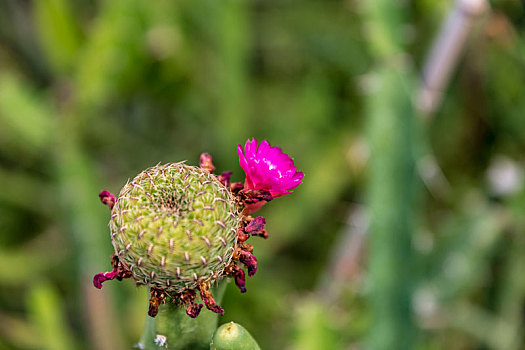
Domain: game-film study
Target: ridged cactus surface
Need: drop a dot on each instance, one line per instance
(175, 226)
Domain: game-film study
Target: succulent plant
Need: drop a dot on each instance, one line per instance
(179, 229)
(233, 336)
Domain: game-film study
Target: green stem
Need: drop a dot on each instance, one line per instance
(391, 193)
(181, 331)
(392, 178)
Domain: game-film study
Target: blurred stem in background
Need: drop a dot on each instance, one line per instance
(445, 53)
(391, 193)
(75, 174)
(47, 313)
(392, 180)
(232, 97)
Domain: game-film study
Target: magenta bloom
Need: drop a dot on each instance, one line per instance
(268, 168)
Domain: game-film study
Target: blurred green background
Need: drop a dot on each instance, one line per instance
(92, 92)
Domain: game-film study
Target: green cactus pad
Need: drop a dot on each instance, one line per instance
(174, 226)
(233, 336)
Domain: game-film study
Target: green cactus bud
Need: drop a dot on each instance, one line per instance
(233, 336)
(174, 227)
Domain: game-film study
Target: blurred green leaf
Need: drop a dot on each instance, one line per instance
(314, 327)
(112, 58)
(16, 330)
(32, 260)
(47, 312)
(59, 34)
(28, 192)
(468, 242)
(26, 122)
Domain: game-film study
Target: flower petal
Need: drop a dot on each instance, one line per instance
(268, 168)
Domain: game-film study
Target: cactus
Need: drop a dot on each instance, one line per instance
(233, 336)
(180, 230)
(174, 228)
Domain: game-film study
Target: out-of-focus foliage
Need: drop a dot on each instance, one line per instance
(92, 92)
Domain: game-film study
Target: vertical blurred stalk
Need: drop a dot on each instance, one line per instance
(75, 173)
(510, 301)
(392, 179)
(46, 310)
(233, 36)
(445, 53)
(77, 189)
(390, 199)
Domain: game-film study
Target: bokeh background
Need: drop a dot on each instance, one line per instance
(92, 92)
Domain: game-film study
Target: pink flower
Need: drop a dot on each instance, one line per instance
(268, 168)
